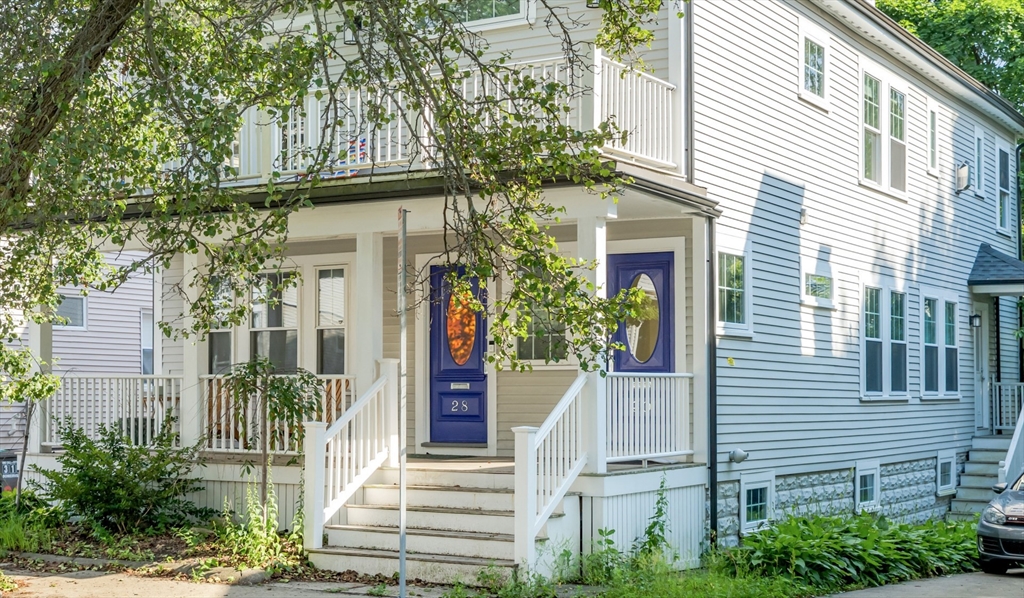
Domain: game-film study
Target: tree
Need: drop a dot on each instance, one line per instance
(118, 119)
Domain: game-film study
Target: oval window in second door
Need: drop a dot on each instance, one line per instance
(642, 330)
(461, 330)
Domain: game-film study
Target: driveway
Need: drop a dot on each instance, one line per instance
(970, 585)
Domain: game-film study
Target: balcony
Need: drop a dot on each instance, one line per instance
(642, 106)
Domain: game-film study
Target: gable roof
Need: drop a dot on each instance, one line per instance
(880, 29)
(992, 267)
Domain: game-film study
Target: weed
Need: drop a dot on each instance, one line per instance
(7, 584)
(378, 590)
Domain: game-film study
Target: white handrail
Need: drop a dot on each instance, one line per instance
(548, 461)
(1013, 465)
(648, 416)
(340, 459)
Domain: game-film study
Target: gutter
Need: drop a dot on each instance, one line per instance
(1020, 256)
(712, 350)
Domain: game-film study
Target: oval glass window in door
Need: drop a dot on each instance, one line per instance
(642, 330)
(461, 330)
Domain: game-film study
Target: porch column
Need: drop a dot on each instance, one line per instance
(368, 326)
(701, 261)
(189, 420)
(592, 244)
(40, 343)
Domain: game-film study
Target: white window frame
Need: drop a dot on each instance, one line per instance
(1003, 146)
(946, 456)
(887, 82)
(752, 481)
(867, 467)
(740, 247)
(942, 297)
(816, 34)
(527, 16)
(299, 335)
(346, 325)
(888, 286)
(565, 249)
(978, 175)
(142, 339)
(818, 267)
(85, 313)
(932, 154)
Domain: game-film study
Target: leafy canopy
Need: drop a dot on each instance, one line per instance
(119, 118)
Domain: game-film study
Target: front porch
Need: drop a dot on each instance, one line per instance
(564, 450)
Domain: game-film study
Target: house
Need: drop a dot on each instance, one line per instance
(825, 213)
(106, 333)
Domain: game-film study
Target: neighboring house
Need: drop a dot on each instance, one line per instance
(833, 332)
(109, 333)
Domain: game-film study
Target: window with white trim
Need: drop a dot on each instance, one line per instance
(330, 320)
(940, 339)
(757, 500)
(933, 138)
(274, 325)
(978, 180)
(884, 341)
(945, 473)
(146, 337)
(545, 340)
(884, 132)
(73, 312)
(219, 340)
(814, 64)
(734, 292)
(867, 485)
(818, 283)
(1004, 216)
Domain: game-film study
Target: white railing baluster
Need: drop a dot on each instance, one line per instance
(649, 416)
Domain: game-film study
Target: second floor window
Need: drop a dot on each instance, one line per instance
(979, 162)
(883, 134)
(480, 10)
(1005, 206)
(731, 289)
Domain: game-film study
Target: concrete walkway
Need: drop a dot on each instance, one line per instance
(970, 585)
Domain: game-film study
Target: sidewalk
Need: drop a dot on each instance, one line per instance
(970, 585)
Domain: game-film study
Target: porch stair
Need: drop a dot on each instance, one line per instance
(458, 524)
(980, 474)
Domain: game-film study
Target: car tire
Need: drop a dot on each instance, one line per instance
(994, 567)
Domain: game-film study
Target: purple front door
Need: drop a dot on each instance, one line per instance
(649, 338)
(458, 381)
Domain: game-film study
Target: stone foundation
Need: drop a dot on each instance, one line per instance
(907, 494)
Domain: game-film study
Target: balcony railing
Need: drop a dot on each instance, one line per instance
(642, 106)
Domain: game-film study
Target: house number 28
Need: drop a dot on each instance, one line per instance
(459, 406)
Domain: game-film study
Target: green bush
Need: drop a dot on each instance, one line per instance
(830, 553)
(122, 486)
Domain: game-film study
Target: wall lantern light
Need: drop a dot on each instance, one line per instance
(976, 321)
(738, 455)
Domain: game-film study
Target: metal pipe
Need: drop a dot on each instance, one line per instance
(712, 349)
(1020, 256)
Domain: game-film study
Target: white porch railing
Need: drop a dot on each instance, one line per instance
(548, 460)
(231, 425)
(135, 404)
(644, 107)
(1007, 403)
(640, 105)
(340, 458)
(648, 416)
(1013, 465)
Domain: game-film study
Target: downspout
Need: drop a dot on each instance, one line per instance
(1020, 256)
(712, 349)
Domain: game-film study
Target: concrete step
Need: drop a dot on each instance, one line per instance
(995, 443)
(486, 499)
(433, 568)
(469, 520)
(986, 469)
(461, 543)
(433, 477)
(959, 516)
(986, 456)
(983, 494)
(978, 481)
(959, 505)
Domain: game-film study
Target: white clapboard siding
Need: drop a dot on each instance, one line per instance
(791, 395)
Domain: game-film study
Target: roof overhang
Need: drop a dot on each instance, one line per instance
(877, 27)
(995, 273)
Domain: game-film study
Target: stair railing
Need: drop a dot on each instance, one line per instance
(548, 460)
(1013, 465)
(339, 459)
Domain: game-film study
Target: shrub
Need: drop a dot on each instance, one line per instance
(834, 552)
(122, 486)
